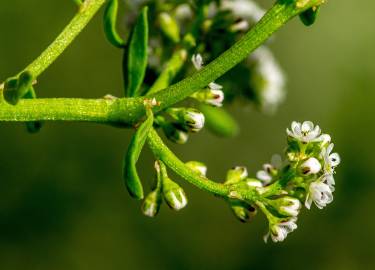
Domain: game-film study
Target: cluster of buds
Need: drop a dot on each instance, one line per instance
(165, 188)
(179, 122)
(282, 188)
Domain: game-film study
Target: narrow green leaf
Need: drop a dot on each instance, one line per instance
(109, 22)
(16, 88)
(137, 55)
(219, 121)
(308, 17)
(133, 183)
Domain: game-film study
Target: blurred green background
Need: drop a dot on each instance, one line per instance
(62, 200)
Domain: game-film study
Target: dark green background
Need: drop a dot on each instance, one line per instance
(62, 200)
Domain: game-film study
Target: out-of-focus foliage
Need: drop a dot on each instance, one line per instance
(62, 200)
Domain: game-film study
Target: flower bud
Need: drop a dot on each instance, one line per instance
(287, 206)
(197, 167)
(174, 195)
(311, 166)
(236, 175)
(189, 118)
(242, 213)
(151, 204)
(175, 133)
(169, 27)
(213, 95)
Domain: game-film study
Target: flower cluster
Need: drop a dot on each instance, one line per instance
(282, 187)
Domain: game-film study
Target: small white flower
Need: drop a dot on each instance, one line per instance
(290, 206)
(331, 161)
(281, 230)
(305, 132)
(329, 180)
(319, 193)
(266, 174)
(311, 166)
(197, 61)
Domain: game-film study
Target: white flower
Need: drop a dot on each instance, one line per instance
(245, 9)
(305, 132)
(266, 174)
(331, 161)
(197, 61)
(290, 206)
(319, 193)
(329, 180)
(267, 79)
(311, 166)
(281, 230)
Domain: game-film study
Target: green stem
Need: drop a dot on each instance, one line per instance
(116, 111)
(162, 152)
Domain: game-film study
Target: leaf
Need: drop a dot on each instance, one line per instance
(109, 22)
(135, 62)
(132, 181)
(219, 121)
(309, 16)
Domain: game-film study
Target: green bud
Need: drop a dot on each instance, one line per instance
(197, 167)
(190, 118)
(309, 16)
(242, 212)
(189, 41)
(151, 204)
(174, 195)
(287, 206)
(175, 133)
(169, 27)
(236, 175)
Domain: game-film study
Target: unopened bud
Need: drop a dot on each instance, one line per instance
(197, 167)
(311, 166)
(169, 27)
(287, 206)
(243, 213)
(151, 204)
(189, 118)
(236, 175)
(174, 195)
(175, 133)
